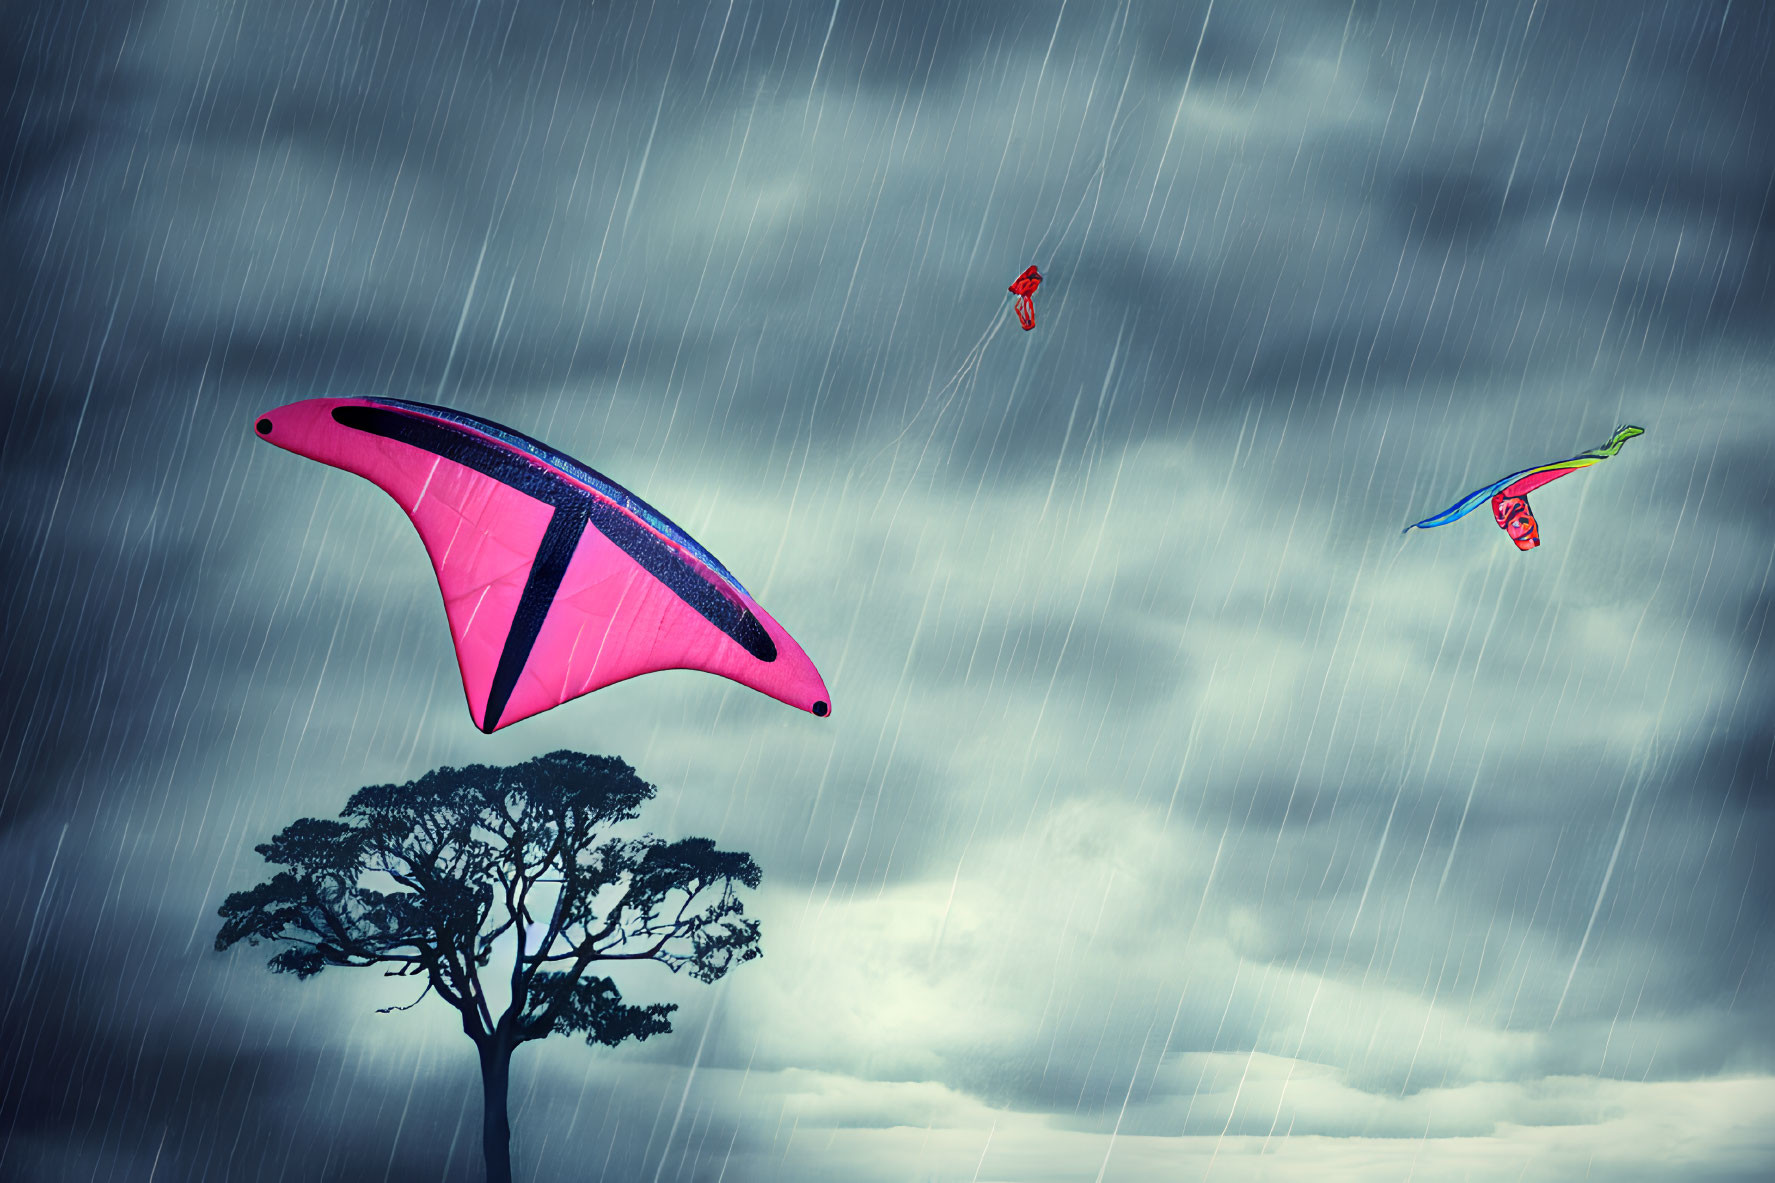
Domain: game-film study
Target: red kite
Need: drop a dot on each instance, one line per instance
(1024, 290)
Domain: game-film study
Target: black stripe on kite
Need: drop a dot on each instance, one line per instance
(583, 473)
(574, 507)
(546, 571)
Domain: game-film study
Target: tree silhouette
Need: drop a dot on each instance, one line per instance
(426, 877)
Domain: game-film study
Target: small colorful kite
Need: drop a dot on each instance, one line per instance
(557, 580)
(1509, 497)
(1024, 290)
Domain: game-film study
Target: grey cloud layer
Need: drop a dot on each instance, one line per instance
(1168, 791)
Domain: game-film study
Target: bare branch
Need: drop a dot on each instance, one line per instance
(384, 1010)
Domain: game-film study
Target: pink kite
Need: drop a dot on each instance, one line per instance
(557, 581)
(1024, 290)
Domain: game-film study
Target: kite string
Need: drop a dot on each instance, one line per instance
(970, 365)
(971, 362)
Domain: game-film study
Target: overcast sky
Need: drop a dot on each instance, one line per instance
(1176, 815)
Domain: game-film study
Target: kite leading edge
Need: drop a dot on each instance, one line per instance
(557, 581)
(1509, 496)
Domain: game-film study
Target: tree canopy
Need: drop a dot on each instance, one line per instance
(425, 878)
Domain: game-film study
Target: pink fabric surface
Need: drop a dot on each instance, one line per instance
(1534, 480)
(611, 619)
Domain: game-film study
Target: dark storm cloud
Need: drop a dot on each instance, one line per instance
(95, 581)
(439, 146)
(62, 64)
(1627, 80)
(1452, 204)
(1422, 238)
(291, 207)
(123, 1082)
(1023, 649)
(294, 208)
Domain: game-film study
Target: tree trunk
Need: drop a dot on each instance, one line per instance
(496, 1128)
